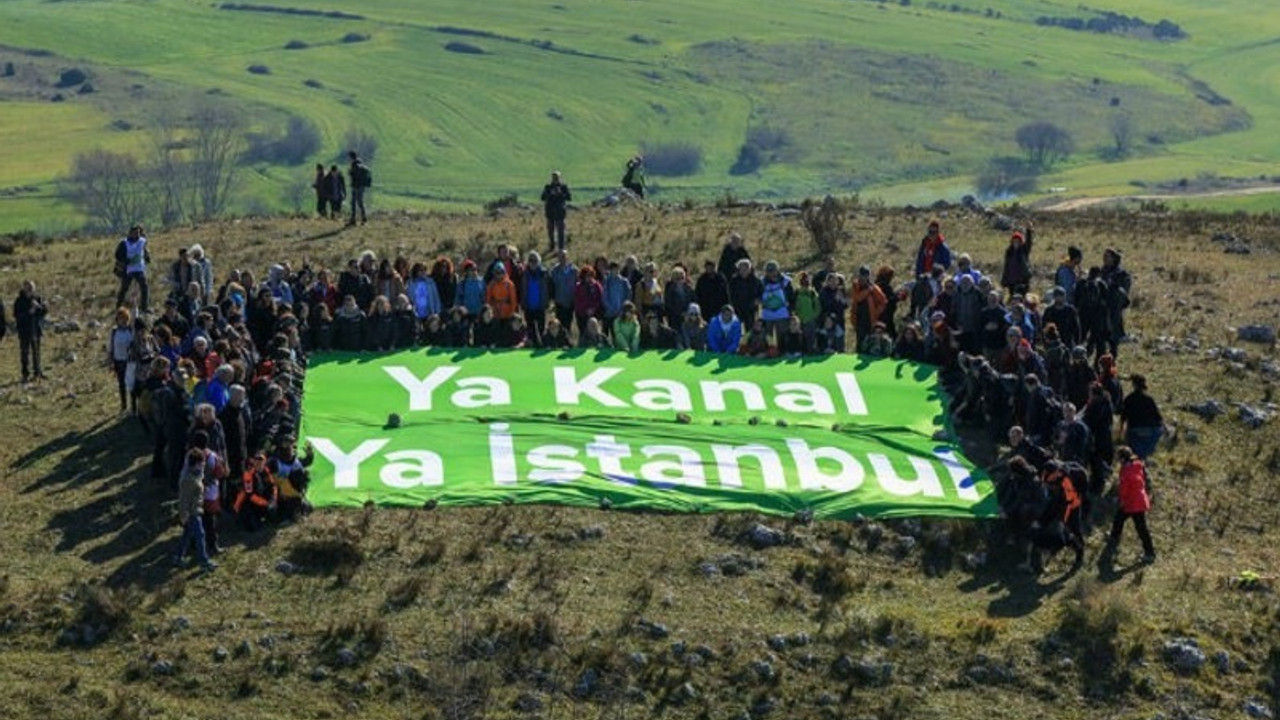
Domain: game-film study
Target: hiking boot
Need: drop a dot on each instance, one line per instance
(1148, 558)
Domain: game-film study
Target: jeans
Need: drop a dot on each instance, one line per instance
(357, 200)
(193, 536)
(30, 350)
(141, 279)
(555, 232)
(1143, 440)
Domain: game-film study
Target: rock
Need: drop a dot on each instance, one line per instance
(679, 648)
(162, 667)
(763, 669)
(180, 623)
(94, 324)
(873, 533)
(69, 358)
(777, 643)
(800, 639)
(1257, 709)
(1222, 661)
(284, 567)
(1237, 248)
(65, 326)
(734, 565)
(1208, 410)
(638, 659)
(804, 517)
(826, 699)
(905, 546)
(346, 657)
(763, 707)
(1257, 334)
(705, 652)
(1183, 655)
(762, 536)
(591, 532)
(974, 562)
(685, 693)
(1002, 223)
(1255, 417)
(319, 673)
(220, 654)
(708, 569)
(1233, 354)
(587, 683)
(267, 641)
(657, 631)
(244, 649)
(527, 702)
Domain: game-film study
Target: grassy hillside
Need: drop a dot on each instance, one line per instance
(872, 96)
(556, 613)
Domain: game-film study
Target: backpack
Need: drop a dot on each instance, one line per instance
(361, 175)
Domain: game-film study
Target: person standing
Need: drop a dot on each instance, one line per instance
(336, 191)
(190, 510)
(1134, 503)
(1016, 277)
(321, 186)
(132, 257)
(933, 252)
(1141, 423)
(28, 314)
(633, 179)
(361, 180)
(556, 195)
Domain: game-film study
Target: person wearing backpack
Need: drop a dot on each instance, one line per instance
(361, 180)
(132, 258)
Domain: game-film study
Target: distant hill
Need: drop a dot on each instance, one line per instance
(906, 101)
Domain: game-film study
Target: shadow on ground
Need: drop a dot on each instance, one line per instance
(128, 522)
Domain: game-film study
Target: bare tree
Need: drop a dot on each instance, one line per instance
(1121, 127)
(109, 187)
(216, 140)
(170, 169)
(1044, 143)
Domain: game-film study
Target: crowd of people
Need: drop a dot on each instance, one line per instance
(216, 377)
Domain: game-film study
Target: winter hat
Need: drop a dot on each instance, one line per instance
(499, 269)
(693, 310)
(1079, 351)
(468, 264)
(864, 271)
(1017, 236)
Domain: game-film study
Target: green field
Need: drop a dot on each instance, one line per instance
(884, 98)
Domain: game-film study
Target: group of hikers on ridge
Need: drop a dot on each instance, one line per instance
(217, 373)
(331, 189)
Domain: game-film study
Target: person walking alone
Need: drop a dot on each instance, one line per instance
(132, 258)
(556, 195)
(321, 186)
(28, 314)
(361, 180)
(1134, 503)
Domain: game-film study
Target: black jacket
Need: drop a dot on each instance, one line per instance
(555, 195)
(28, 312)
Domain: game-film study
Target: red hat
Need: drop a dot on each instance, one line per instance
(1023, 343)
(468, 264)
(1017, 235)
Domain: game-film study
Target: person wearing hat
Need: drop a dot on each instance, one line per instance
(777, 297)
(693, 330)
(1064, 316)
(866, 305)
(1016, 276)
(933, 252)
(1068, 271)
(501, 295)
(878, 343)
(731, 255)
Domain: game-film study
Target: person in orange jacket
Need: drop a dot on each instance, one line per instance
(501, 295)
(1134, 503)
(866, 306)
(258, 497)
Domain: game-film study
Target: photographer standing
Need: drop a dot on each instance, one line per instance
(28, 314)
(556, 195)
(633, 180)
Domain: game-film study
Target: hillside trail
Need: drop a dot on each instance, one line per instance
(1086, 202)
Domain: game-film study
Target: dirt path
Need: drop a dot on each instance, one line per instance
(1086, 202)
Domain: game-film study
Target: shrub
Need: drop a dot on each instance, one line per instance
(71, 78)
(506, 201)
(299, 140)
(825, 222)
(672, 159)
(1044, 143)
(749, 160)
(354, 37)
(365, 144)
(296, 45)
(464, 48)
(259, 70)
(1004, 177)
(9, 70)
(313, 84)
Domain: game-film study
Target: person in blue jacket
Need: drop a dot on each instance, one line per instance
(724, 334)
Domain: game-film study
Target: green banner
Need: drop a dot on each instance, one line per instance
(686, 432)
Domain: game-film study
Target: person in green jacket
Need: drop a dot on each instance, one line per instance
(626, 329)
(808, 307)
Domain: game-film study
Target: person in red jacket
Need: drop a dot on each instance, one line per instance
(1134, 503)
